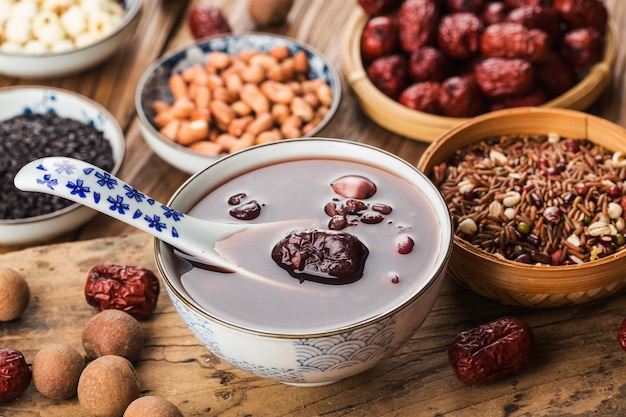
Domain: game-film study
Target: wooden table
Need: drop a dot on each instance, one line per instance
(580, 368)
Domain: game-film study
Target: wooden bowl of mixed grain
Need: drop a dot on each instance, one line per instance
(537, 197)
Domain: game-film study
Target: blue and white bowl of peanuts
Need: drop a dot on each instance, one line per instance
(55, 38)
(225, 93)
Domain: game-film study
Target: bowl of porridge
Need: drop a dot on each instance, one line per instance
(345, 279)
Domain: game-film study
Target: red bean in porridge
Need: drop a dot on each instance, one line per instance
(537, 199)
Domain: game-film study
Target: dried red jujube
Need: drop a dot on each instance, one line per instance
(15, 374)
(621, 335)
(379, 37)
(389, 74)
(491, 351)
(132, 289)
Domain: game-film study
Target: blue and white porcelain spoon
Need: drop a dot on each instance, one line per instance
(93, 187)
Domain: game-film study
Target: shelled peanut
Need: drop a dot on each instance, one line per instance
(235, 101)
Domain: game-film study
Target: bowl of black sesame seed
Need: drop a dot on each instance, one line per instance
(538, 202)
(38, 121)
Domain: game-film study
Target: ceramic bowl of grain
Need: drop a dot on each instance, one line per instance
(536, 198)
(228, 92)
(37, 121)
(40, 40)
(425, 126)
(314, 298)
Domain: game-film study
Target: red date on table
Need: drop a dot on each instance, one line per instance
(132, 289)
(491, 351)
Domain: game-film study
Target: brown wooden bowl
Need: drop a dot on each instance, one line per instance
(426, 127)
(512, 282)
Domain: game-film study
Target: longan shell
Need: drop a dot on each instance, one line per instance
(56, 369)
(107, 386)
(152, 406)
(14, 294)
(113, 332)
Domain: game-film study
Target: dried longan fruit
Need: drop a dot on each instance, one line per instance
(152, 406)
(14, 294)
(107, 386)
(56, 369)
(113, 332)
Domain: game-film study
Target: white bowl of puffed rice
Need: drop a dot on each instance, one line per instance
(53, 38)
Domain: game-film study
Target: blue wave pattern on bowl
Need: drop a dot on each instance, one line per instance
(156, 87)
(123, 199)
(312, 355)
(49, 102)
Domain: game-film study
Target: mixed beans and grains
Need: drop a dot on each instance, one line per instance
(537, 199)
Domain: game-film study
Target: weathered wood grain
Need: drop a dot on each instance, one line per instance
(579, 370)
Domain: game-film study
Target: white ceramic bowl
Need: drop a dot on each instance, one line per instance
(15, 101)
(50, 65)
(302, 356)
(154, 86)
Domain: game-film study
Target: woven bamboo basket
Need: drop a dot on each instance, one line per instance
(515, 283)
(426, 127)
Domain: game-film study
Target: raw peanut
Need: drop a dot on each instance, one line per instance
(263, 60)
(190, 132)
(246, 54)
(325, 94)
(177, 86)
(159, 106)
(182, 107)
(307, 128)
(253, 74)
(310, 86)
(222, 112)
(280, 52)
(224, 95)
(207, 147)
(322, 112)
(245, 141)
(226, 141)
(301, 62)
(218, 60)
(290, 125)
(491, 351)
(163, 118)
(296, 86)
(233, 82)
(214, 81)
(311, 99)
(253, 97)
(280, 112)
(201, 114)
(291, 133)
(269, 136)
(277, 92)
(202, 97)
(241, 108)
(301, 108)
(238, 126)
(263, 122)
(170, 130)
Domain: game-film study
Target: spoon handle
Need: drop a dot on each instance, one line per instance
(93, 187)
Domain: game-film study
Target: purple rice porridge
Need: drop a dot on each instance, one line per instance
(392, 232)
